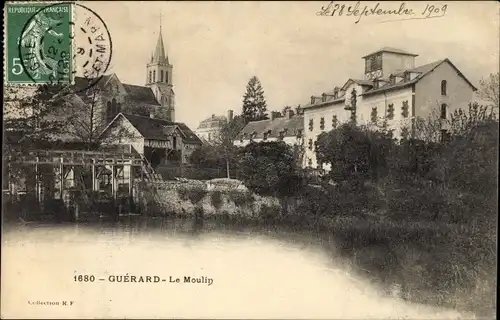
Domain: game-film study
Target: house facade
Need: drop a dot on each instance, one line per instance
(288, 128)
(209, 129)
(159, 141)
(394, 91)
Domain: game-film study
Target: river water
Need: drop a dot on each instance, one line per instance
(244, 273)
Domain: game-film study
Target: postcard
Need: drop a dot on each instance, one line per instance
(250, 160)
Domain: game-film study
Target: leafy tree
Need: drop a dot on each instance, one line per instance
(254, 103)
(489, 89)
(354, 153)
(32, 116)
(285, 110)
(270, 168)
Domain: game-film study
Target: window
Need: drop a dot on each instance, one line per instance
(315, 145)
(390, 111)
(108, 112)
(443, 87)
(311, 124)
(265, 135)
(161, 75)
(150, 76)
(154, 75)
(443, 111)
(309, 162)
(405, 112)
(166, 76)
(310, 144)
(322, 123)
(335, 121)
(374, 115)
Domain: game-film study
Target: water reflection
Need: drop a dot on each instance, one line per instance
(257, 272)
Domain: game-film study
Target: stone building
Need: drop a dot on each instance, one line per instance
(394, 90)
(288, 128)
(209, 129)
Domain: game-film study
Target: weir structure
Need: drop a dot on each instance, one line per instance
(81, 180)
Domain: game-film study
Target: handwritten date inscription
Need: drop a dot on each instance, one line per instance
(403, 11)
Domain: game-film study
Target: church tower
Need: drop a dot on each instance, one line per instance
(159, 79)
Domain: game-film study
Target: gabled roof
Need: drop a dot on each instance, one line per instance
(423, 71)
(213, 122)
(292, 126)
(157, 129)
(391, 50)
(140, 94)
(357, 81)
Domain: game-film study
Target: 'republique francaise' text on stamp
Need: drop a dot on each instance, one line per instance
(38, 47)
(51, 43)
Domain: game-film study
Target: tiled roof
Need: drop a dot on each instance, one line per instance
(212, 122)
(393, 50)
(158, 129)
(423, 70)
(141, 94)
(293, 125)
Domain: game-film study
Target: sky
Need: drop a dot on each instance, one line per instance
(216, 47)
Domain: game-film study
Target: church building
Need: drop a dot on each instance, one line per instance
(138, 118)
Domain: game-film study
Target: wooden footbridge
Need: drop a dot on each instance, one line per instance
(56, 174)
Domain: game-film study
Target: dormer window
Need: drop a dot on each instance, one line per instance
(406, 76)
(312, 100)
(282, 135)
(323, 97)
(392, 79)
(267, 134)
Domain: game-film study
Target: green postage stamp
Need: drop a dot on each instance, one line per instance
(38, 47)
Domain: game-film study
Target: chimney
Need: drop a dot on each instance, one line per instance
(289, 114)
(229, 115)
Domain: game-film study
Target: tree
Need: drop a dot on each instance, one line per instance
(225, 141)
(254, 103)
(285, 110)
(270, 169)
(489, 89)
(31, 114)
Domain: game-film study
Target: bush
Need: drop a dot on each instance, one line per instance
(241, 198)
(194, 194)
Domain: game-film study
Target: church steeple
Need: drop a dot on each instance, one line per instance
(159, 78)
(159, 55)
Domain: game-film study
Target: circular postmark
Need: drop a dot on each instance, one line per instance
(65, 44)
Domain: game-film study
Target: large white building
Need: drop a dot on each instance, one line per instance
(393, 90)
(209, 130)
